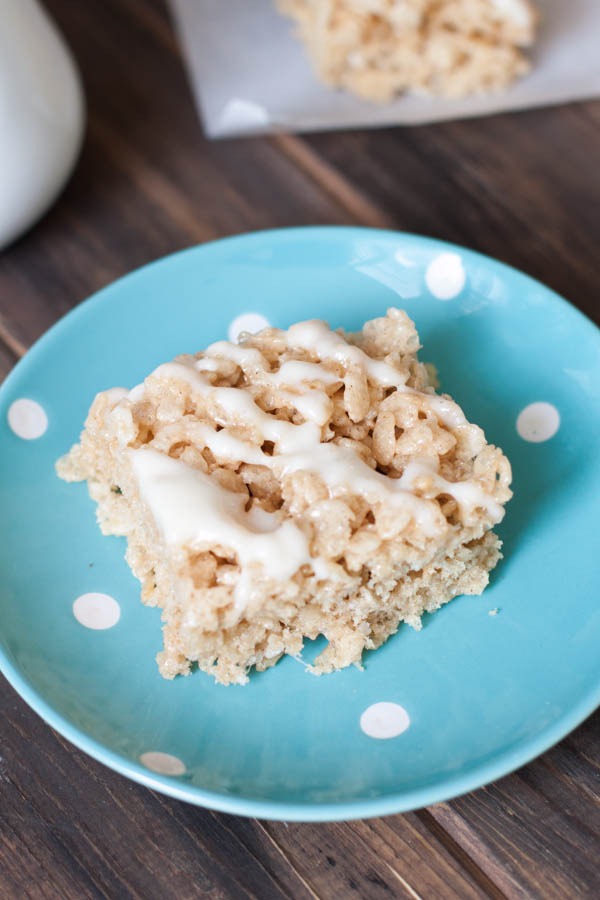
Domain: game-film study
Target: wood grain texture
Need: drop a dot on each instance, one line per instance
(524, 188)
(108, 837)
(378, 858)
(530, 196)
(147, 183)
(537, 832)
(7, 360)
(521, 188)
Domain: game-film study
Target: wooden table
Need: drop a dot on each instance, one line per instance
(524, 188)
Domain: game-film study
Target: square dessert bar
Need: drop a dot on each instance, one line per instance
(298, 483)
(380, 48)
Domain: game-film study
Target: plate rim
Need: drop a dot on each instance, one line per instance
(447, 786)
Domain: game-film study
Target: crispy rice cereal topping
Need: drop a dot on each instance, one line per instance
(301, 482)
(380, 48)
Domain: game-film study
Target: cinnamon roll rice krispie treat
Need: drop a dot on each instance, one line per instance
(380, 48)
(299, 483)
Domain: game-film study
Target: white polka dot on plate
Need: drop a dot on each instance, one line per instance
(445, 276)
(162, 763)
(384, 720)
(27, 419)
(97, 611)
(538, 422)
(250, 322)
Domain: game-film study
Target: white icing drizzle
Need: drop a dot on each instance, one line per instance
(311, 402)
(192, 509)
(245, 357)
(296, 372)
(299, 447)
(238, 407)
(342, 470)
(291, 373)
(226, 446)
(469, 495)
(316, 337)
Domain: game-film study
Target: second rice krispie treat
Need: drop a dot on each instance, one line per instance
(300, 483)
(380, 48)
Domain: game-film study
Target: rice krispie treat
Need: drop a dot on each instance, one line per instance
(380, 48)
(299, 483)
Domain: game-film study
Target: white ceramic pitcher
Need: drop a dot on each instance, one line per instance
(41, 115)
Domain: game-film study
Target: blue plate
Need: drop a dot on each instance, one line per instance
(490, 681)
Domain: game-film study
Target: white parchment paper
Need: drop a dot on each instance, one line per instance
(250, 74)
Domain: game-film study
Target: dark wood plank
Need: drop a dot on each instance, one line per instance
(536, 833)
(67, 815)
(79, 829)
(520, 187)
(379, 858)
(7, 360)
(147, 182)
